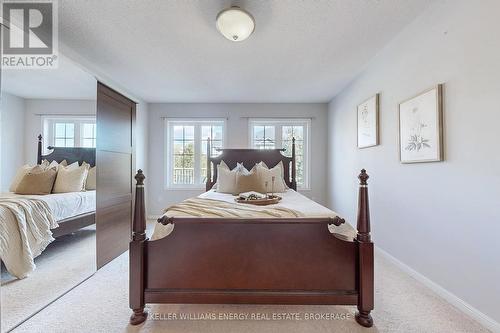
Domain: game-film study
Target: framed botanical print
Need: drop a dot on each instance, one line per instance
(421, 127)
(368, 122)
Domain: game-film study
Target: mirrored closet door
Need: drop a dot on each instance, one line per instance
(48, 186)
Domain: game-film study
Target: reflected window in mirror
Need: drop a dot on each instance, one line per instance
(69, 131)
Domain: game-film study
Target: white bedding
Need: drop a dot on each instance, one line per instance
(63, 205)
(290, 200)
(26, 222)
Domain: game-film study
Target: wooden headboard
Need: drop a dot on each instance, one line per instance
(249, 157)
(71, 155)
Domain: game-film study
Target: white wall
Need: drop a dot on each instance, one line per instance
(141, 139)
(441, 219)
(36, 108)
(12, 138)
(236, 137)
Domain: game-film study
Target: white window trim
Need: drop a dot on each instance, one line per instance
(278, 135)
(48, 130)
(168, 143)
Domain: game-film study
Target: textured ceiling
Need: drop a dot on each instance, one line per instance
(68, 81)
(170, 50)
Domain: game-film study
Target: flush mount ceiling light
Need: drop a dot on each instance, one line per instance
(235, 24)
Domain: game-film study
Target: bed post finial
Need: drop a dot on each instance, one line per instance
(39, 153)
(294, 171)
(137, 254)
(365, 258)
(363, 208)
(139, 223)
(209, 167)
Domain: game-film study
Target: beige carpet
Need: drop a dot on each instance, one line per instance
(65, 262)
(100, 304)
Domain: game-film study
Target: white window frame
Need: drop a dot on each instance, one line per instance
(279, 123)
(48, 128)
(169, 145)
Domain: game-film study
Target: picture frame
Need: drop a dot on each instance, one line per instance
(421, 127)
(368, 122)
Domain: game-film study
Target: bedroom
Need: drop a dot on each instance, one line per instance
(309, 71)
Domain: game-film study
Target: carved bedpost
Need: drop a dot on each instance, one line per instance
(39, 154)
(137, 249)
(139, 223)
(365, 259)
(294, 169)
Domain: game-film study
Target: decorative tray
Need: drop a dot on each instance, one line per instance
(259, 202)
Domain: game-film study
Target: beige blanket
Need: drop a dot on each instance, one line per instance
(216, 208)
(24, 233)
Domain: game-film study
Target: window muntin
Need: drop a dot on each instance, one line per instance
(278, 133)
(187, 150)
(64, 134)
(69, 131)
(89, 135)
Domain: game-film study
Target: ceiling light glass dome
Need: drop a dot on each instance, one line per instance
(235, 24)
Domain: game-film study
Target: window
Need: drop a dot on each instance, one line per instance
(89, 135)
(278, 133)
(69, 131)
(187, 150)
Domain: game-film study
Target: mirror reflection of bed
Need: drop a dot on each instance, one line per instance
(48, 187)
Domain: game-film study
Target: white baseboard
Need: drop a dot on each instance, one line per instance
(463, 306)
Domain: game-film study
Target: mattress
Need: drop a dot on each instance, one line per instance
(291, 200)
(64, 205)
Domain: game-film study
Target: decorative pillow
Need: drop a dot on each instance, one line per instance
(266, 175)
(75, 165)
(37, 181)
(21, 172)
(90, 183)
(249, 181)
(70, 179)
(226, 178)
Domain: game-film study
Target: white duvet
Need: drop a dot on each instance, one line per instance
(26, 222)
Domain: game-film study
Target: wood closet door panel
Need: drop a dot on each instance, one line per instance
(112, 230)
(115, 166)
(115, 123)
(115, 180)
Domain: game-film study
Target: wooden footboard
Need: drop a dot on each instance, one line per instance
(257, 261)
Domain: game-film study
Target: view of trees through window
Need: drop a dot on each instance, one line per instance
(189, 150)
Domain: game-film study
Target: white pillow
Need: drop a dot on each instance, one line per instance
(75, 165)
(226, 178)
(53, 164)
(71, 179)
(90, 184)
(21, 172)
(266, 175)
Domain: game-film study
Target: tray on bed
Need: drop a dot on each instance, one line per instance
(259, 202)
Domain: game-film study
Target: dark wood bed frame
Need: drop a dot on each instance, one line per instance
(254, 261)
(71, 155)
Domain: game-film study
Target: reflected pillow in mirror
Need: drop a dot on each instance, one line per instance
(37, 181)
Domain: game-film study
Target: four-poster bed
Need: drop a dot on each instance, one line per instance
(252, 261)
